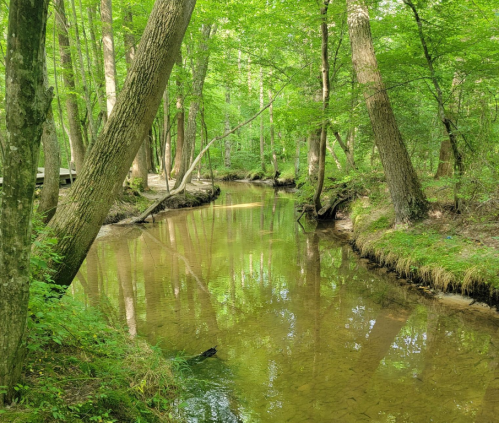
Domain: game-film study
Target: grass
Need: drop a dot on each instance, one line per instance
(437, 251)
(82, 368)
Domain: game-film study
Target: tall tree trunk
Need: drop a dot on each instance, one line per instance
(227, 129)
(83, 74)
(198, 77)
(313, 154)
(180, 117)
(139, 165)
(168, 135)
(50, 191)
(325, 106)
(27, 102)
(75, 134)
(106, 13)
(444, 117)
(444, 158)
(97, 63)
(262, 139)
(76, 223)
(405, 188)
(272, 137)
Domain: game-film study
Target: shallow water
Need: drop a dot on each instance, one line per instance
(305, 331)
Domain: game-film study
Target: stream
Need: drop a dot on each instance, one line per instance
(305, 330)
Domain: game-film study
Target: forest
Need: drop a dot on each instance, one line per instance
(384, 112)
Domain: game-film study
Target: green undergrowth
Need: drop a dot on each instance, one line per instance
(430, 251)
(82, 367)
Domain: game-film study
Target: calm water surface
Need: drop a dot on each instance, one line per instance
(305, 331)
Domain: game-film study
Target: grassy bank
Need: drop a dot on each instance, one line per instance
(81, 367)
(447, 251)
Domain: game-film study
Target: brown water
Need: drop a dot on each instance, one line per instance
(305, 331)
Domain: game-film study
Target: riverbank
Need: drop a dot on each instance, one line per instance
(132, 203)
(447, 252)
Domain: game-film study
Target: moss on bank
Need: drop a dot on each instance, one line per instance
(436, 252)
(82, 368)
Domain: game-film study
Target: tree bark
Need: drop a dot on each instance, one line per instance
(75, 134)
(77, 222)
(27, 103)
(313, 154)
(325, 106)
(405, 188)
(198, 77)
(50, 191)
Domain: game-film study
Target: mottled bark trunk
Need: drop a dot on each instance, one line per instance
(77, 222)
(52, 163)
(106, 13)
(179, 147)
(198, 77)
(27, 103)
(444, 159)
(313, 154)
(325, 106)
(405, 188)
(75, 134)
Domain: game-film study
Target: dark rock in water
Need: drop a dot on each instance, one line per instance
(203, 356)
(209, 353)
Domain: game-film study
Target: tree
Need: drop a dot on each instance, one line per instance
(405, 188)
(325, 105)
(77, 222)
(27, 103)
(75, 135)
(198, 76)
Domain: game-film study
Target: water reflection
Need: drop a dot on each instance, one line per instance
(305, 331)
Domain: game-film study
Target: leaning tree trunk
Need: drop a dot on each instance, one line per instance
(75, 135)
(27, 102)
(403, 183)
(325, 106)
(77, 222)
(50, 191)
